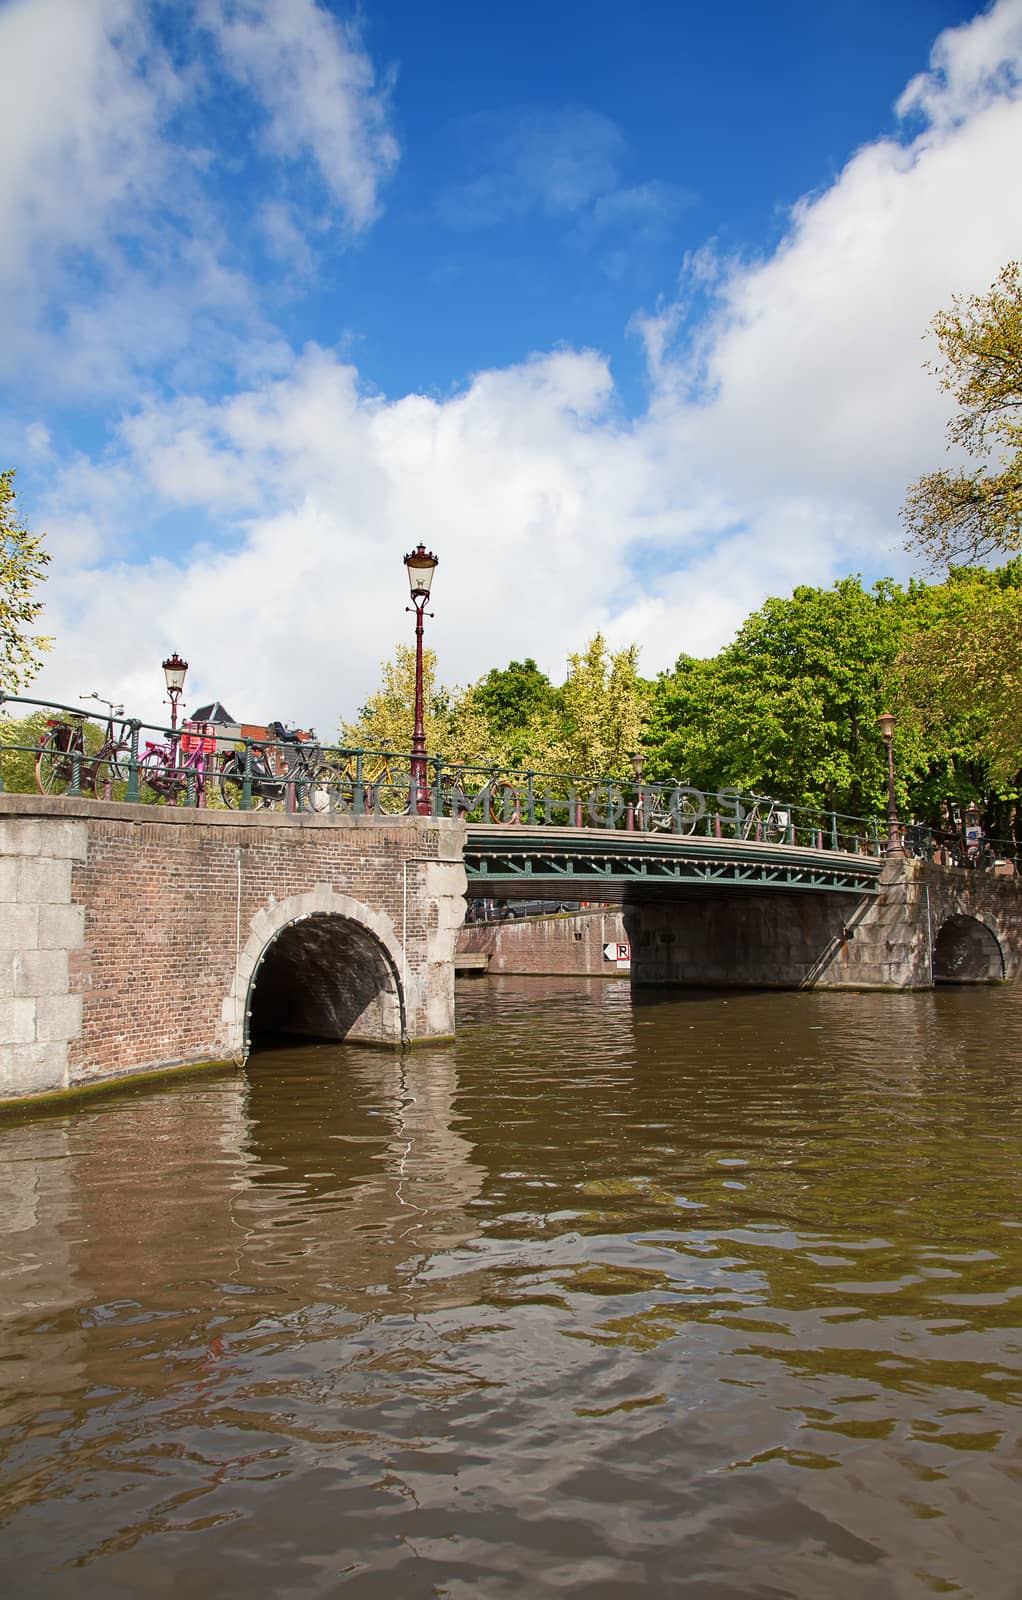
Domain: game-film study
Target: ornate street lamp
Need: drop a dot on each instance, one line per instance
(885, 722)
(174, 670)
(421, 566)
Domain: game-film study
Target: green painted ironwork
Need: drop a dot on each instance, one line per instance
(493, 865)
(131, 792)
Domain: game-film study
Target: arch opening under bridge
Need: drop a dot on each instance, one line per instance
(966, 951)
(324, 976)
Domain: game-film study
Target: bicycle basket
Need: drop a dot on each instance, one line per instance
(198, 736)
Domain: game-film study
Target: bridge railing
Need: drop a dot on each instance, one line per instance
(124, 758)
(539, 798)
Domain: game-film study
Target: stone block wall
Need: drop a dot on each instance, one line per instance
(42, 934)
(824, 941)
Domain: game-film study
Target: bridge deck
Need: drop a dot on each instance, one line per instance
(515, 860)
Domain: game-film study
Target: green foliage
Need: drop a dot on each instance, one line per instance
(514, 717)
(454, 726)
(522, 712)
(19, 741)
(974, 514)
(959, 675)
(790, 708)
(387, 719)
(22, 564)
(603, 706)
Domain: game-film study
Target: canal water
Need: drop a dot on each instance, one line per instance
(710, 1295)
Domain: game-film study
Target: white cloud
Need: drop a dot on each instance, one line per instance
(969, 67)
(783, 428)
(92, 159)
(319, 90)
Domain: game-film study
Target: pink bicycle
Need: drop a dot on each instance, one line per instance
(180, 767)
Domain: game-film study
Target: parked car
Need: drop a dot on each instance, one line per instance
(539, 908)
(486, 911)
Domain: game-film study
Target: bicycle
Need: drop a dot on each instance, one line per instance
(63, 753)
(666, 809)
(179, 767)
(378, 783)
(300, 770)
(499, 796)
(769, 829)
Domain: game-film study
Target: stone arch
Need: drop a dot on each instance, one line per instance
(966, 951)
(318, 965)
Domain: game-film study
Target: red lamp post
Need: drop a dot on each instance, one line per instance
(885, 723)
(421, 565)
(174, 670)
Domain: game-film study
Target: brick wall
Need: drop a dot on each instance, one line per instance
(135, 931)
(572, 945)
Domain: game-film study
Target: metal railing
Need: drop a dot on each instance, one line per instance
(127, 759)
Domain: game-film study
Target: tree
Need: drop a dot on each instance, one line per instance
(790, 708)
(971, 514)
(454, 727)
(22, 565)
(522, 710)
(19, 742)
(387, 719)
(604, 703)
(959, 673)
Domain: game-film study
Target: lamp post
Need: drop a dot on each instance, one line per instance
(885, 722)
(174, 670)
(638, 761)
(421, 565)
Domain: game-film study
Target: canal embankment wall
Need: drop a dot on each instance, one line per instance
(928, 924)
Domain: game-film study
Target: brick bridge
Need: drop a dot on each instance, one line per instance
(138, 938)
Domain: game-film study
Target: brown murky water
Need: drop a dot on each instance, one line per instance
(714, 1296)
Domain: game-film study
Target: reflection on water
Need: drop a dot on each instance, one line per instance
(715, 1295)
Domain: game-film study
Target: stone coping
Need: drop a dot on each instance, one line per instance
(45, 805)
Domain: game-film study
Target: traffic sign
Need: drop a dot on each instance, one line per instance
(620, 952)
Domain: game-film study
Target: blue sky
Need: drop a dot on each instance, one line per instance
(622, 312)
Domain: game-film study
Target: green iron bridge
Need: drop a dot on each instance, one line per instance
(557, 863)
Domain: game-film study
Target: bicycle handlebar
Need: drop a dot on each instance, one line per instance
(115, 709)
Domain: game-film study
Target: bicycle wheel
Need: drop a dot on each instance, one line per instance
(328, 788)
(112, 765)
(55, 767)
(156, 773)
(657, 815)
(505, 805)
(390, 793)
(749, 823)
(687, 813)
(230, 779)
